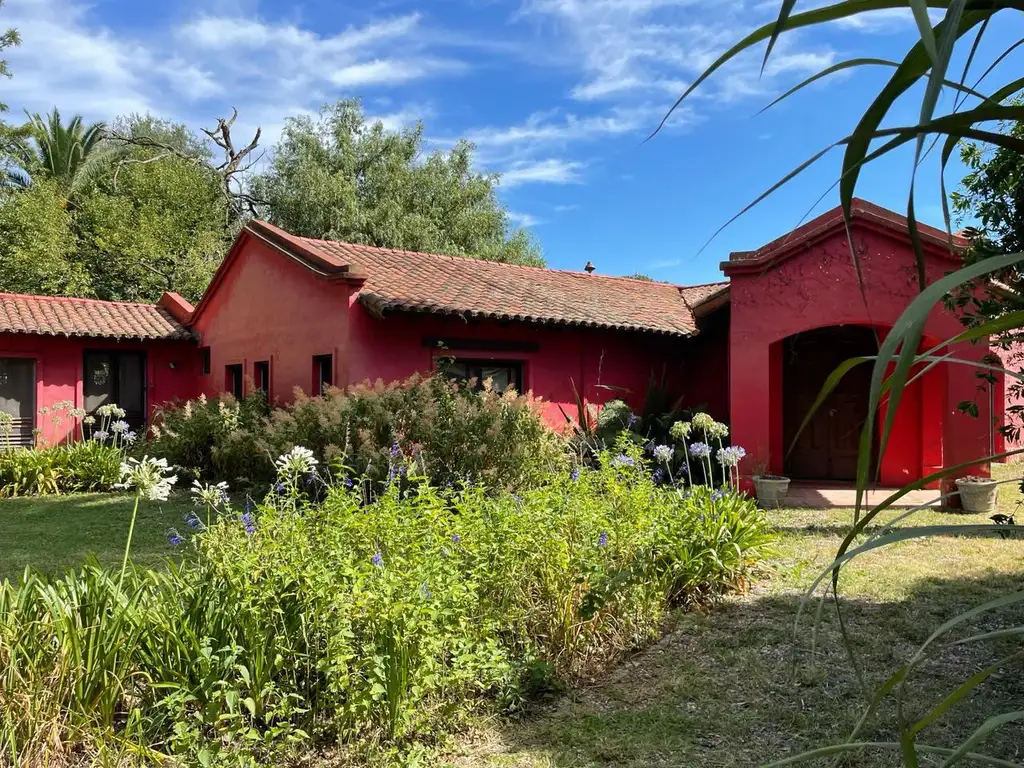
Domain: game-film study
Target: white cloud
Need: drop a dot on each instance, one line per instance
(524, 220)
(565, 208)
(549, 171)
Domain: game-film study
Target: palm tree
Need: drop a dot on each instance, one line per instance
(67, 154)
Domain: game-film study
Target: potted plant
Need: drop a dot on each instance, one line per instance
(770, 489)
(977, 494)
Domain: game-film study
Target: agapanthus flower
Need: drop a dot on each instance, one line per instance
(395, 449)
(602, 540)
(658, 476)
(632, 419)
(89, 420)
(718, 430)
(574, 475)
(212, 495)
(377, 560)
(129, 437)
(192, 521)
(249, 524)
(348, 482)
(173, 538)
(731, 456)
(298, 461)
(100, 436)
(149, 477)
(716, 495)
(703, 421)
(662, 453)
(700, 450)
(119, 426)
(622, 460)
(681, 430)
(456, 538)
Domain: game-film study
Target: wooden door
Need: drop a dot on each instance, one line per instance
(828, 447)
(17, 400)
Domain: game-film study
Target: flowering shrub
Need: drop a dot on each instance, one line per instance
(454, 435)
(362, 621)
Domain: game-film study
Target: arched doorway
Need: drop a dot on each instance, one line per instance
(827, 448)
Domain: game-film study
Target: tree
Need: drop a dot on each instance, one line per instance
(641, 276)
(37, 243)
(70, 155)
(153, 220)
(340, 178)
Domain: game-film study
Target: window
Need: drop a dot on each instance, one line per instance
(323, 373)
(503, 374)
(205, 351)
(17, 401)
(112, 377)
(233, 380)
(261, 375)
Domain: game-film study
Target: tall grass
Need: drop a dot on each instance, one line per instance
(363, 622)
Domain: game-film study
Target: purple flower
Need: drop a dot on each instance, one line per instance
(249, 524)
(425, 590)
(602, 540)
(174, 539)
(311, 478)
(716, 495)
(456, 538)
(700, 450)
(395, 449)
(192, 521)
(622, 460)
(348, 482)
(658, 476)
(631, 420)
(279, 487)
(377, 560)
(575, 474)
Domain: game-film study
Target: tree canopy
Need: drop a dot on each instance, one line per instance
(340, 177)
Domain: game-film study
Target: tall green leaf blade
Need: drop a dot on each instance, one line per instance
(780, 24)
(924, 28)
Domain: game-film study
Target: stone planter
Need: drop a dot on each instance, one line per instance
(771, 490)
(977, 494)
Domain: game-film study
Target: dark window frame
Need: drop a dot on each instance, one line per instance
(474, 367)
(207, 356)
(234, 379)
(136, 418)
(261, 376)
(323, 373)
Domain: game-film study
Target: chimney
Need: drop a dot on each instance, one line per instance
(590, 268)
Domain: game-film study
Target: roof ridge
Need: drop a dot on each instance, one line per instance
(71, 299)
(450, 257)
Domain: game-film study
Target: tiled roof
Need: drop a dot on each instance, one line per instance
(421, 282)
(823, 225)
(60, 316)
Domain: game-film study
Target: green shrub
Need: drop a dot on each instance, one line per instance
(365, 622)
(76, 467)
(457, 435)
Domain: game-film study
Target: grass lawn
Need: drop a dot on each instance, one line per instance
(57, 532)
(732, 688)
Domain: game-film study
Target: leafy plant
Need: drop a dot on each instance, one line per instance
(926, 65)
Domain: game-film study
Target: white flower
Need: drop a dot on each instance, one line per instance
(78, 413)
(129, 438)
(681, 430)
(718, 430)
(119, 426)
(703, 421)
(213, 495)
(298, 461)
(149, 477)
(730, 457)
(662, 453)
(100, 435)
(89, 420)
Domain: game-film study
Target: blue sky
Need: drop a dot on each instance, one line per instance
(557, 94)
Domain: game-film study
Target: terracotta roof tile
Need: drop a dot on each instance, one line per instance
(421, 282)
(60, 316)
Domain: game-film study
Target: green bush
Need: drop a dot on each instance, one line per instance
(456, 434)
(371, 623)
(72, 468)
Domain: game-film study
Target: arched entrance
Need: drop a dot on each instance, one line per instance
(827, 448)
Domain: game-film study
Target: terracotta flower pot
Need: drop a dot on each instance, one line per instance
(771, 490)
(977, 494)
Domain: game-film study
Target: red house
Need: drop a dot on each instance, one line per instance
(285, 312)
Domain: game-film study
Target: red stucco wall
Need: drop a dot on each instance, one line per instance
(59, 371)
(270, 308)
(818, 287)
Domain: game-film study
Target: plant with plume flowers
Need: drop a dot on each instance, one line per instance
(151, 479)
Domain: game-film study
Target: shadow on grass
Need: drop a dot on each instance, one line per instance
(839, 531)
(733, 688)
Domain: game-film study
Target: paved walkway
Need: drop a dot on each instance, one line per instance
(827, 496)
